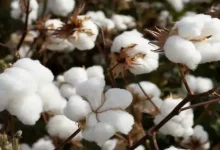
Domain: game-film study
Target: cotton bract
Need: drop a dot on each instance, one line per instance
(53, 42)
(26, 90)
(194, 40)
(133, 52)
(104, 113)
(178, 126)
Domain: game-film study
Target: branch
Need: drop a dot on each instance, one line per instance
(68, 139)
(25, 26)
(174, 112)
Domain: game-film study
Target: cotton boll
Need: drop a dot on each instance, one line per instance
(121, 120)
(60, 126)
(15, 9)
(14, 80)
(52, 100)
(103, 132)
(27, 109)
(123, 22)
(110, 144)
(178, 5)
(116, 98)
(75, 75)
(192, 83)
(25, 147)
(149, 88)
(43, 144)
(179, 50)
(77, 108)
(36, 69)
(67, 90)
(95, 71)
(92, 90)
(25, 51)
(61, 7)
(172, 148)
(91, 120)
(141, 147)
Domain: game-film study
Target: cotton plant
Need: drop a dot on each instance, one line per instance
(194, 40)
(130, 51)
(104, 113)
(17, 12)
(53, 42)
(123, 22)
(62, 127)
(61, 7)
(199, 139)
(198, 84)
(142, 102)
(181, 124)
(100, 18)
(27, 90)
(76, 75)
(41, 144)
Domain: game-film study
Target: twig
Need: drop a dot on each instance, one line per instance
(155, 141)
(200, 104)
(68, 139)
(44, 117)
(174, 112)
(148, 97)
(184, 80)
(25, 26)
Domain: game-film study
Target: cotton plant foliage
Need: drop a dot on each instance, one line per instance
(181, 124)
(104, 113)
(130, 51)
(26, 90)
(194, 40)
(76, 75)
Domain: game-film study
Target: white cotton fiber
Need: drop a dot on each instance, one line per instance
(67, 90)
(77, 108)
(43, 144)
(27, 109)
(95, 71)
(62, 127)
(121, 120)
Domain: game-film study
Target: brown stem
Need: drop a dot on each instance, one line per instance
(44, 116)
(184, 80)
(25, 26)
(174, 112)
(155, 141)
(68, 139)
(148, 97)
(200, 104)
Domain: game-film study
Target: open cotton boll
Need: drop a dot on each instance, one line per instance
(67, 90)
(77, 108)
(43, 144)
(179, 50)
(51, 97)
(116, 98)
(36, 69)
(173, 148)
(141, 147)
(150, 89)
(95, 71)
(15, 10)
(123, 22)
(25, 51)
(27, 109)
(110, 144)
(62, 127)
(92, 90)
(198, 84)
(61, 7)
(25, 147)
(75, 75)
(121, 120)
(13, 82)
(178, 5)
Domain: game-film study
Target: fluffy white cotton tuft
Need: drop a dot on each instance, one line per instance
(62, 127)
(67, 90)
(198, 84)
(61, 7)
(43, 144)
(123, 22)
(95, 71)
(27, 109)
(77, 108)
(110, 144)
